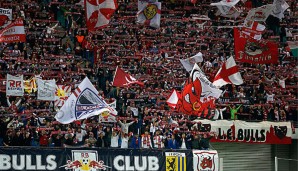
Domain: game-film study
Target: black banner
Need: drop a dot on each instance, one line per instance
(93, 159)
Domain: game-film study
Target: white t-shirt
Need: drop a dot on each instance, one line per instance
(270, 97)
(124, 142)
(183, 145)
(114, 141)
(80, 136)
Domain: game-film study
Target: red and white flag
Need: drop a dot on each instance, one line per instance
(253, 29)
(122, 79)
(62, 93)
(99, 12)
(173, 99)
(149, 13)
(228, 74)
(5, 16)
(14, 32)
(260, 13)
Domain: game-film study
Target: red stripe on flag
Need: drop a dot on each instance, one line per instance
(77, 92)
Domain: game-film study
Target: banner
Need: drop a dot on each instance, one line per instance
(99, 13)
(248, 132)
(205, 160)
(83, 103)
(149, 13)
(61, 94)
(175, 161)
(46, 89)
(14, 85)
(253, 51)
(5, 16)
(30, 85)
(14, 32)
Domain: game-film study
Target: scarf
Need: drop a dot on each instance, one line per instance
(158, 141)
(146, 140)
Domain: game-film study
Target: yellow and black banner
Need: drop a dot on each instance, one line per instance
(175, 161)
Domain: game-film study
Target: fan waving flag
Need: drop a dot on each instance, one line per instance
(228, 74)
(149, 13)
(122, 79)
(83, 103)
(14, 32)
(173, 99)
(253, 29)
(99, 12)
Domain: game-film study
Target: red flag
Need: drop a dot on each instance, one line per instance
(122, 79)
(99, 12)
(173, 99)
(250, 50)
(14, 32)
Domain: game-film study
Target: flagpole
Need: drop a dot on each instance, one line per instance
(115, 74)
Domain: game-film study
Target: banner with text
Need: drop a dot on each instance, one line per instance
(14, 85)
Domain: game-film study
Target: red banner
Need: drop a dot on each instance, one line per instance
(14, 32)
(253, 51)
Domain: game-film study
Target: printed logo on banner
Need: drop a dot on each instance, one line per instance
(175, 161)
(205, 160)
(88, 102)
(85, 160)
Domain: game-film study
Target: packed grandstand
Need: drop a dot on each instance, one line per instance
(155, 61)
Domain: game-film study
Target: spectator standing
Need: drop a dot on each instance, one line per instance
(146, 140)
(114, 139)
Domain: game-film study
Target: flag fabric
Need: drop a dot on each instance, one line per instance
(173, 99)
(122, 79)
(279, 7)
(14, 85)
(62, 93)
(14, 32)
(46, 89)
(30, 85)
(228, 74)
(254, 51)
(149, 13)
(5, 16)
(198, 94)
(99, 13)
(224, 6)
(83, 104)
(293, 45)
(113, 104)
(188, 63)
(259, 14)
(253, 29)
(232, 13)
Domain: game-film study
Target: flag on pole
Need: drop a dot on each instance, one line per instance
(149, 13)
(228, 74)
(62, 93)
(224, 6)
(99, 13)
(279, 7)
(173, 99)
(259, 14)
(122, 79)
(253, 29)
(14, 32)
(188, 63)
(83, 103)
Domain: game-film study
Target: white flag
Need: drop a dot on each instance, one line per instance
(259, 14)
(188, 63)
(224, 6)
(173, 99)
(279, 7)
(149, 13)
(83, 103)
(46, 89)
(62, 93)
(14, 85)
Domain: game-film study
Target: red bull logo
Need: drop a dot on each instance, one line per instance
(84, 160)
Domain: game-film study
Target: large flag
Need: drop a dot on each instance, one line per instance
(250, 50)
(173, 99)
(46, 89)
(122, 79)
(228, 74)
(149, 13)
(259, 14)
(253, 29)
(83, 103)
(279, 7)
(14, 32)
(5, 16)
(224, 6)
(62, 93)
(198, 94)
(14, 85)
(99, 13)
(189, 63)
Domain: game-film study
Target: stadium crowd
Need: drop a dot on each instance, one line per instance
(60, 47)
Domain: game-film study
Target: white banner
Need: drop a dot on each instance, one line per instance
(46, 89)
(149, 13)
(205, 160)
(83, 103)
(14, 85)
